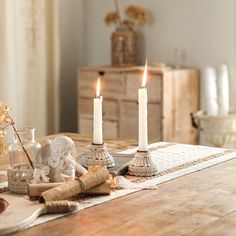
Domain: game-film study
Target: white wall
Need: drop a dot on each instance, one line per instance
(205, 30)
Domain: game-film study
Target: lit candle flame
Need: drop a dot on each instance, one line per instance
(144, 76)
(98, 88)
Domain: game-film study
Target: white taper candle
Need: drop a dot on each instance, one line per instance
(143, 127)
(97, 117)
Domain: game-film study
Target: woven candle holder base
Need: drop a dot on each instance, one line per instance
(19, 177)
(142, 165)
(99, 155)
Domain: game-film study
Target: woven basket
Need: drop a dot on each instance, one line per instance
(219, 131)
(124, 48)
(18, 179)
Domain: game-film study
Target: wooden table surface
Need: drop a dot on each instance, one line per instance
(201, 203)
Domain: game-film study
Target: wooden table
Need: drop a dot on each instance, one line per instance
(201, 203)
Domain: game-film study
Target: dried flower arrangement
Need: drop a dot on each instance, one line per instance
(135, 16)
(6, 121)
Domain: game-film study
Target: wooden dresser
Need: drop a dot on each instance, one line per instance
(172, 96)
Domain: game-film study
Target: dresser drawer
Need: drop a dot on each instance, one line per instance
(134, 81)
(110, 108)
(87, 84)
(112, 84)
(109, 128)
(154, 122)
(85, 107)
(129, 121)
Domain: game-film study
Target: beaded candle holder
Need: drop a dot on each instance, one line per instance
(142, 164)
(99, 155)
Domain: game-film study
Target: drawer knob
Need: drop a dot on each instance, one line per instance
(101, 73)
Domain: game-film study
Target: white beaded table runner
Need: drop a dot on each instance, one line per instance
(172, 160)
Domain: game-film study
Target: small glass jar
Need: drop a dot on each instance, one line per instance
(16, 153)
(20, 172)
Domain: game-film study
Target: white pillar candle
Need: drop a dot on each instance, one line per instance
(223, 91)
(143, 128)
(210, 91)
(97, 117)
